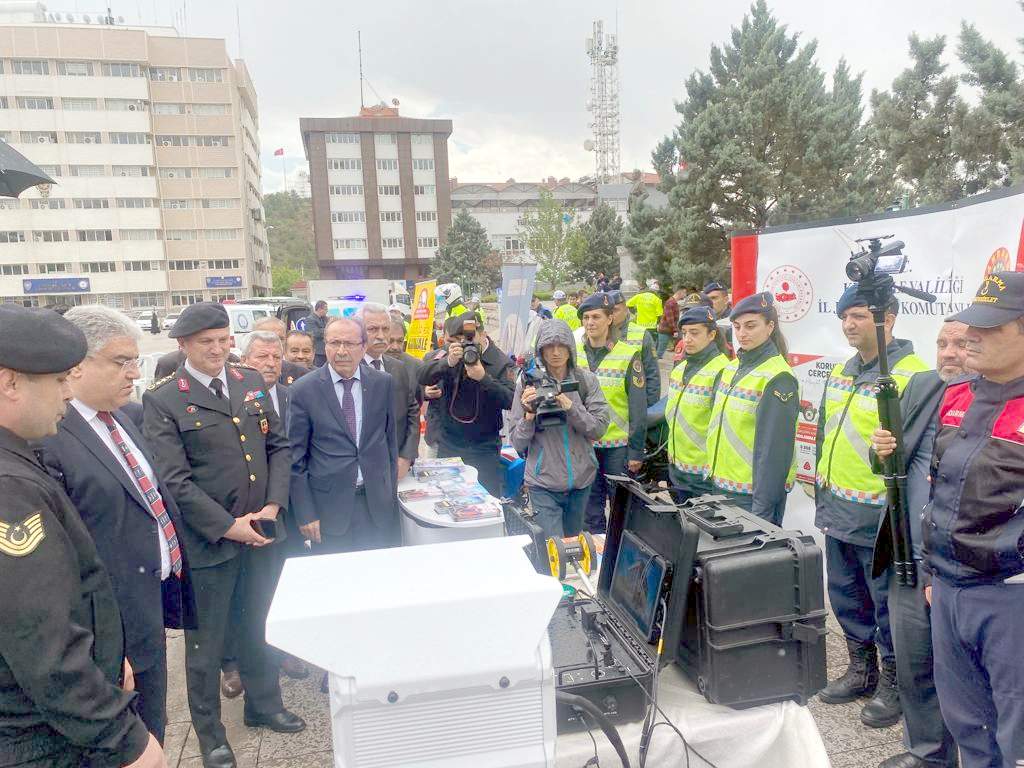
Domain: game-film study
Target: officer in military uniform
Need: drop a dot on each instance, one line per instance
(848, 496)
(65, 698)
(632, 333)
(973, 532)
(218, 444)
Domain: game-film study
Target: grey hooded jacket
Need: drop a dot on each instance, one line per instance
(561, 458)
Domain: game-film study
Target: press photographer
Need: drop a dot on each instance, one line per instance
(477, 382)
(557, 413)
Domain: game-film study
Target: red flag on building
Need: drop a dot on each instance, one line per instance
(279, 152)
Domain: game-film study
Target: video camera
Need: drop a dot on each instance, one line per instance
(876, 260)
(545, 404)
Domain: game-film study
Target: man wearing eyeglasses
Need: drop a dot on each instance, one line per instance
(104, 464)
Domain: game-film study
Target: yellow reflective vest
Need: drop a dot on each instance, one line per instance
(611, 375)
(850, 416)
(567, 312)
(688, 414)
(733, 425)
(648, 309)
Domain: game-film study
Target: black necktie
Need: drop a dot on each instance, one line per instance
(217, 387)
(375, 364)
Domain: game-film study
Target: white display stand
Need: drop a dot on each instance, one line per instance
(422, 525)
(437, 655)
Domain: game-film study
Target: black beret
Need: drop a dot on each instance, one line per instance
(616, 297)
(600, 300)
(699, 315)
(38, 340)
(714, 285)
(203, 316)
(760, 303)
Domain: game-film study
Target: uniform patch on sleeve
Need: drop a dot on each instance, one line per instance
(22, 539)
(784, 397)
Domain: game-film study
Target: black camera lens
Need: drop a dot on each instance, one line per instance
(470, 354)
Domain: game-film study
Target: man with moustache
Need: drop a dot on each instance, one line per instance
(290, 372)
(298, 349)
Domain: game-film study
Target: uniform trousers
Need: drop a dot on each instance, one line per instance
(924, 732)
(252, 576)
(977, 633)
(683, 485)
(610, 461)
(859, 601)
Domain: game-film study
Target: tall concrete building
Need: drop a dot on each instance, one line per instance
(380, 193)
(153, 140)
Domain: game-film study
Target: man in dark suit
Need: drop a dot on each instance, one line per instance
(101, 459)
(290, 372)
(406, 407)
(344, 448)
(217, 444)
(315, 324)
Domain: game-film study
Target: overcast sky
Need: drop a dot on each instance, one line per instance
(513, 75)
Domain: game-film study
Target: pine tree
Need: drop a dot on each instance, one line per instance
(553, 239)
(765, 141)
(603, 235)
(465, 259)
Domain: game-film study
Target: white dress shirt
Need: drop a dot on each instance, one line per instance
(277, 405)
(205, 379)
(101, 429)
(369, 361)
(357, 397)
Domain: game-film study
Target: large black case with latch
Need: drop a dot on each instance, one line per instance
(753, 630)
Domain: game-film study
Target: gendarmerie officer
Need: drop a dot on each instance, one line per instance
(973, 533)
(219, 447)
(63, 702)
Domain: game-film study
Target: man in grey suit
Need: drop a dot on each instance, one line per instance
(344, 448)
(405, 405)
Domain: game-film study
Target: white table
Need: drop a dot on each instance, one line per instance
(422, 525)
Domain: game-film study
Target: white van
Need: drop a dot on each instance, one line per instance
(243, 317)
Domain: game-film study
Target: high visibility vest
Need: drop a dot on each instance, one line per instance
(733, 425)
(635, 333)
(455, 309)
(648, 309)
(567, 312)
(611, 374)
(851, 415)
(688, 412)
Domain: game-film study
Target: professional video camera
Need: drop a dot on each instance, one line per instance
(873, 267)
(545, 404)
(470, 349)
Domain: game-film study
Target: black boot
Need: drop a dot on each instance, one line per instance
(884, 709)
(860, 678)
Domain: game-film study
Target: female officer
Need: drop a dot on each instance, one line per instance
(753, 420)
(688, 408)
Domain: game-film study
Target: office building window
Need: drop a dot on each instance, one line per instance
(172, 141)
(386, 138)
(426, 242)
(74, 68)
(387, 165)
(91, 203)
(348, 244)
(90, 171)
(150, 300)
(391, 216)
(180, 234)
(175, 173)
(139, 234)
(346, 189)
(215, 173)
(345, 164)
(342, 138)
(345, 217)
(12, 237)
(3, 102)
(30, 67)
(211, 109)
(96, 267)
(121, 69)
(392, 242)
(165, 74)
(51, 268)
(34, 102)
(95, 236)
(388, 190)
(182, 264)
(224, 264)
(514, 244)
(184, 298)
(423, 189)
(82, 137)
(129, 138)
(423, 165)
(221, 202)
(168, 108)
(178, 205)
(423, 138)
(50, 236)
(126, 105)
(50, 204)
(426, 215)
(201, 75)
(221, 234)
(13, 269)
(134, 171)
(38, 137)
(211, 141)
(136, 202)
(139, 266)
(53, 171)
(79, 105)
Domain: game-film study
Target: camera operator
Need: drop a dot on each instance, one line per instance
(557, 412)
(477, 381)
(621, 375)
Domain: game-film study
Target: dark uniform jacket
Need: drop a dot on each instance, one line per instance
(652, 373)
(220, 458)
(973, 525)
(124, 530)
(314, 325)
(406, 408)
(61, 641)
(292, 372)
(636, 396)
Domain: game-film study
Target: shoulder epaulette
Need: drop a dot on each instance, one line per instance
(243, 366)
(160, 382)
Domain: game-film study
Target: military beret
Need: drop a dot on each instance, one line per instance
(714, 285)
(699, 315)
(203, 316)
(853, 298)
(600, 300)
(38, 341)
(999, 300)
(760, 303)
(616, 297)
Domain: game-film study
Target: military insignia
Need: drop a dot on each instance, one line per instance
(236, 374)
(191, 409)
(783, 397)
(159, 383)
(264, 424)
(637, 368)
(183, 385)
(21, 539)
(253, 394)
(638, 381)
(764, 301)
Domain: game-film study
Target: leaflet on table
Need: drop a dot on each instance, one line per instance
(436, 473)
(455, 490)
(460, 511)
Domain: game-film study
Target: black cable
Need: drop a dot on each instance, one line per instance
(668, 721)
(595, 760)
(578, 702)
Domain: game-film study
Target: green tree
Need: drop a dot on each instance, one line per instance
(554, 239)
(290, 232)
(603, 233)
(765, 141)
(465, 259)
(283, 278)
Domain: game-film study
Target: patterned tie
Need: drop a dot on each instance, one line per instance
(149, 492)
(375, 364)
(217, 387)
(348, 407)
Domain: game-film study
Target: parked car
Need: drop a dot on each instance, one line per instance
(170, 320)
(144, 320)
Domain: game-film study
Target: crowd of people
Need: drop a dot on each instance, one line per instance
(180, 511)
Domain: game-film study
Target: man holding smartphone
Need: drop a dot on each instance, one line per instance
(218, 444)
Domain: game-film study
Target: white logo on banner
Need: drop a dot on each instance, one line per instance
(792, 291)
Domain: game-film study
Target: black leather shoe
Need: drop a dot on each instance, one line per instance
(279, 722)
(219, 757)
(884, 708)
(903, 760)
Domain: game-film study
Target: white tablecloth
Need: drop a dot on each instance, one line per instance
(772, 736)
(422, 525)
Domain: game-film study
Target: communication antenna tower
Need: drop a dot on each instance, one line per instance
(603, 52)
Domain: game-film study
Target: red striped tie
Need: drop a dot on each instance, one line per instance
(149, 492)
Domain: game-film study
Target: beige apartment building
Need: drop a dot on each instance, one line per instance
(153, 140)
(381, 197)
